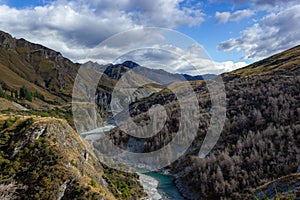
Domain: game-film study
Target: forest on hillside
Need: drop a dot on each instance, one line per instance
(259, 142)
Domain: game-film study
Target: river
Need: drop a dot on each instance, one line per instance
(165, 187)
(158, 186)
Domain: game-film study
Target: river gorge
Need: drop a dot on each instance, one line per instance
(157, 185)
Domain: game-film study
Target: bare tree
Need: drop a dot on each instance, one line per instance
(9, 191)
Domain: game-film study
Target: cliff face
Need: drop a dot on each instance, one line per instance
(53, 162)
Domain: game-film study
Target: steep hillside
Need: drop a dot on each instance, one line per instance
(260, 139)
(37, 67)
(259, 142)
(10, 105)
(51, 161)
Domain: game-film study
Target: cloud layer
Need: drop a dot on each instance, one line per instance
(76, 26)
(193, 60)
(273, 33)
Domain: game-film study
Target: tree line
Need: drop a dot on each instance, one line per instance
(22, 93)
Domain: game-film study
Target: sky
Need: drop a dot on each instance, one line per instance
(232, 33)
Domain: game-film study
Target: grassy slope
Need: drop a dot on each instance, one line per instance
(284, 63)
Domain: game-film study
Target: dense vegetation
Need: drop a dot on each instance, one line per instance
(259, 143)
(122, 184)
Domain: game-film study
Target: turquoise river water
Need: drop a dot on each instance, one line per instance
(166, 186)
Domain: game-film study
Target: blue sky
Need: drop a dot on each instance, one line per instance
(233, 32)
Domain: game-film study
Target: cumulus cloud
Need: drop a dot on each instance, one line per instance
(74, 27)
(223, 17)
(272, 34)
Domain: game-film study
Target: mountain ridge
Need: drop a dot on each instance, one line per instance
(283, 63)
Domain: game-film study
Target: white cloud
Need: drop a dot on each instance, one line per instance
(273, 33)
(223, 17)
(73, 27)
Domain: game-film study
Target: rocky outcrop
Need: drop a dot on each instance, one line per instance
(54, 162)
(7, 42)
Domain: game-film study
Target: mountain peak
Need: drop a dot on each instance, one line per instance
(130, 64)
(6, 41)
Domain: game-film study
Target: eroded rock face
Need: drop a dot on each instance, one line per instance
(7, 42)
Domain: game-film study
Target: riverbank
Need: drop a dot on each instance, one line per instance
(150, 186)
(165, 188)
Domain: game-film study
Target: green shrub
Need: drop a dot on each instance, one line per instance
(73, 163)
(44, 114)
(39, 95)
(25, 93)
(2, 93)
(8, 123)
(93, 183)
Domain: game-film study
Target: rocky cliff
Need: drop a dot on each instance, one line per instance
(51, 161)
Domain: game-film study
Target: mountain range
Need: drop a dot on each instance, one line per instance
(49, 73)
(42, 157)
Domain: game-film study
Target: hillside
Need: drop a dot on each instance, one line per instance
(51, 161)
(43, 157)
(49, 77)
(260, 139)
(285, 63)
(37, 67)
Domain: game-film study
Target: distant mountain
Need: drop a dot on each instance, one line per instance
(199, 77)
(158, 75)
(139, 75)
(130, 64)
